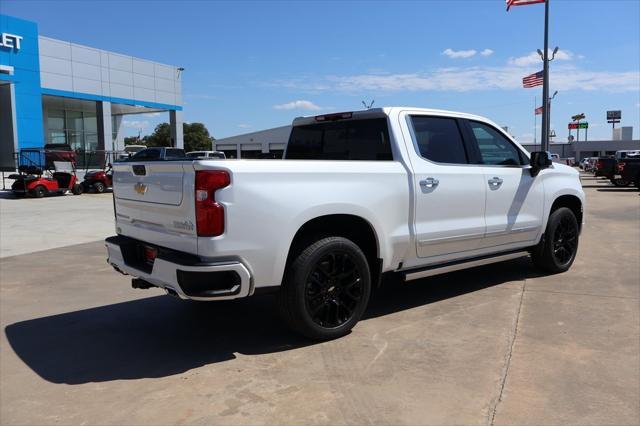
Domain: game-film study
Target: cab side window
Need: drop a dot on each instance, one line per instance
(438, 139)
(495, 148)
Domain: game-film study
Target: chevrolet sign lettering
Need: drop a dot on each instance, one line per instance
(10, 41)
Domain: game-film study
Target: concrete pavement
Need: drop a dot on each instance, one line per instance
(493, 345)
(34, 224)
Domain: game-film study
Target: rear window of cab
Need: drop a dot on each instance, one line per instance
(352, 140)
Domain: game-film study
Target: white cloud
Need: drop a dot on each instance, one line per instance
(463, 79)
(152, 114)
(487, 52)
(136, 124)
(300, 104)
(533, 58)
(244, 125)
(456, 54)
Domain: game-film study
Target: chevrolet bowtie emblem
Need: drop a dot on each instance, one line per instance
(140, 188)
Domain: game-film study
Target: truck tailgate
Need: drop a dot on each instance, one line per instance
(154, 202)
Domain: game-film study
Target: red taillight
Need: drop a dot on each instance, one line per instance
(621, 167)
(209, 214)
(599, 165)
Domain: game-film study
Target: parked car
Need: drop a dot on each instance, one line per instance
(607, 167)
(158, 154)
(590, 164)
(206, 154)
(582, 162)
(128, 151)
(403, 191)
(98, 180)
(629, 169)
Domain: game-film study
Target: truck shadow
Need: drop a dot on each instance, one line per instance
(160, 336)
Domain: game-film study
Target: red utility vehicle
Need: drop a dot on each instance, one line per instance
(98, 180)
(32, 181)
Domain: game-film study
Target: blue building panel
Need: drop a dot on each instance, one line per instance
(26, 77)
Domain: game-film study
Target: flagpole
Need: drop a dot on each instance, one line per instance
(535, 122)
(545, 85)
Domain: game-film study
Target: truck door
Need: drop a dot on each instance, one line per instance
(515, 199)
(449, 191)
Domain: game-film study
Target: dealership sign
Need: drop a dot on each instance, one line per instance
(10, 41)
(584, 125)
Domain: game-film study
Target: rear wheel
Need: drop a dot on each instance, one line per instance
(39, 191)
(620, 182)
(558, 248)
(326, 289)
(99, 187)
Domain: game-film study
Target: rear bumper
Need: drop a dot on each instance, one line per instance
(181, 273)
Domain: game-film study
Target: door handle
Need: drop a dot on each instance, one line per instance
(495, 181)
(429, 182)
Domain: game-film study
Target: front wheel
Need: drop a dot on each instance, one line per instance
(620, 182)
(559, 245)
(326, 289)
(77, 189)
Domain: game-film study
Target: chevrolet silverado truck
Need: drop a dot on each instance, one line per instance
(402, 191)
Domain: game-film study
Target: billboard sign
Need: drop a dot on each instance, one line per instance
(614, 115)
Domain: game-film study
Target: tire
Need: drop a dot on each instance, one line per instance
(99, 187)
(77, 189)
(559, 245)
(620, 182)
(39, 191)
(326, 289)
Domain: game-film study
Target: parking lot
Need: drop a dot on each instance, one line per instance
(499, 344)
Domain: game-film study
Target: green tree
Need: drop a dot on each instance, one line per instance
(161, 136)
(196, 137)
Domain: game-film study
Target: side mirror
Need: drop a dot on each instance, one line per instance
(540, 160)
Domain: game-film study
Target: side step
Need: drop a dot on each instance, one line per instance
(443, 268)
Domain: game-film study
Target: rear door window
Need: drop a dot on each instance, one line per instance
(355, 140)
(439, 139)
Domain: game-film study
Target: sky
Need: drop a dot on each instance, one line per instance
(258, 64)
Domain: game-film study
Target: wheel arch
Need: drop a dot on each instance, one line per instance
(352, 227)
(571, 202)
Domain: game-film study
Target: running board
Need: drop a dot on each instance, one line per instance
(463, 264)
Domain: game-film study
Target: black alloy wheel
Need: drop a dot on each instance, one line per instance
(558, 246)
(565, 241)
(326, 288)
(334, 289)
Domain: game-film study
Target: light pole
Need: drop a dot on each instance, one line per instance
(545, 81)
(549, 108)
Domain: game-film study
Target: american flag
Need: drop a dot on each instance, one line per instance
(522, 3)
(533, 80)
(538, 111)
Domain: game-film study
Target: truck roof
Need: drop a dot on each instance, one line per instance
(381, 112)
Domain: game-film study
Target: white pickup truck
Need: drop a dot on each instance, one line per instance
(405, 191)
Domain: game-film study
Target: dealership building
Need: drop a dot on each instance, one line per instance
(58, 92)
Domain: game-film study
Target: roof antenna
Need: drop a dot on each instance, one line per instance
(370, 104)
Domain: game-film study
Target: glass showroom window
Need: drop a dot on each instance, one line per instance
(55, 127)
